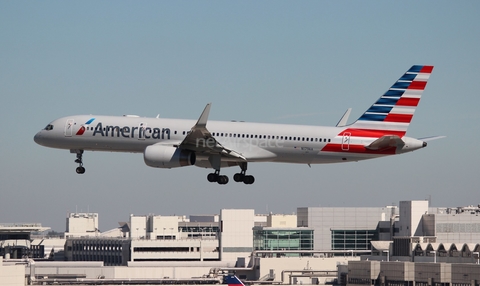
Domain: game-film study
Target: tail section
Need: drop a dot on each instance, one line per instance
(232, 280)
(393, 111)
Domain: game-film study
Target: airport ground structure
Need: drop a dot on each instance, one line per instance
(405, 245)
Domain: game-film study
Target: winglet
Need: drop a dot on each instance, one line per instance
(202, 121)
(344, 119)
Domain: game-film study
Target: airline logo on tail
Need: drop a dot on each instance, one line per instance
(233, 280)
(388, 118)
(393, 111)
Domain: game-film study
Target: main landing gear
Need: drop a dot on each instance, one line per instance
(238, 177)
(80, 169)
(246, 179)
(216, 177)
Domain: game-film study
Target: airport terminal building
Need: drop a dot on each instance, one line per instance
(316, 245)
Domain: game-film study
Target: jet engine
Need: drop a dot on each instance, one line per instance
(160, 156)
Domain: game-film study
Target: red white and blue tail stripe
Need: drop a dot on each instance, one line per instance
(233, 280)
(392, 112)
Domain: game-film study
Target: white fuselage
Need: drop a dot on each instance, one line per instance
(258, 142)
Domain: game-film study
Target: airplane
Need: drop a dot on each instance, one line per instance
(172, 143)
(232, 280)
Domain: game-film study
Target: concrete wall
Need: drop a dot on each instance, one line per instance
(135, 270)
(464, 227)
(236, 236)
(173, 249)
(364, 269)
(298, 264)
(465, 273)
(410, 223)
(323, 220)
(82, 224)
(398, 271)
(439, 272)
(281, 220)
(428, 273)
(138, 226)
(12, 275)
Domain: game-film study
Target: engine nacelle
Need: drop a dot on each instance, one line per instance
(160, 156)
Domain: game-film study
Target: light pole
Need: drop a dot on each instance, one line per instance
(388, 254)
(478, 256)
(434, 256)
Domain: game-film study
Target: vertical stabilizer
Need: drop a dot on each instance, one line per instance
(392, 112)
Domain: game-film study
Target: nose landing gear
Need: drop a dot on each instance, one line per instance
(80, 169)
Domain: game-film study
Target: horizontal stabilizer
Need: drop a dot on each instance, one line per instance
(385, 142)
(431, 138)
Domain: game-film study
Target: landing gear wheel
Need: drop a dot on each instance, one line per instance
(80, 170)
(212, 177)
(248, 180)
(238, 177)
(222, 180)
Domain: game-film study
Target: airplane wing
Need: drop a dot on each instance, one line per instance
(200, 140)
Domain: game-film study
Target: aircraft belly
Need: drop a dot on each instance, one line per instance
(106, 144)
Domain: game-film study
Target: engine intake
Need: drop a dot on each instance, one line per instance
(160, 156)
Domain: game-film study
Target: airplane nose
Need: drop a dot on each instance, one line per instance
(38, 138)
(424, 144)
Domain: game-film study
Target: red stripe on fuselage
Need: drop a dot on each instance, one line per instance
(371, 133)
(334, 147)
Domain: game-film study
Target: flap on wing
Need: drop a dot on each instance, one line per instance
(200, 140)
(385, 142)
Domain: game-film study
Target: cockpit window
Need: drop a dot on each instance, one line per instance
(49, 127)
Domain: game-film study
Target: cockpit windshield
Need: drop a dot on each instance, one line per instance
(49, 127)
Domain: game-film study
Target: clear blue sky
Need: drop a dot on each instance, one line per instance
(300, 62)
